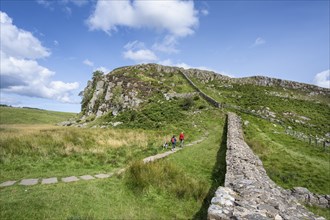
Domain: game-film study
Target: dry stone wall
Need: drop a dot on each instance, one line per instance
(248, 192)
(206, 97)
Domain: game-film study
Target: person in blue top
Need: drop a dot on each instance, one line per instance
(173, 141)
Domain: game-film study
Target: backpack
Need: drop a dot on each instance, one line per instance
(173, 140)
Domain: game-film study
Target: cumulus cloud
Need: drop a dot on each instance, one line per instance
(19, 43)
(140, 55)
(136, 51)
(102, 69)
(177, 17)
(20, 72)
(88, 62)
(322, 79)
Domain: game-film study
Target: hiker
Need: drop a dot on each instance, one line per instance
(181, 139)
(165, 145)
(173, 140)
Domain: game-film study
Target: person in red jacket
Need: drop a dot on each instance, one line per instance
(181, 139)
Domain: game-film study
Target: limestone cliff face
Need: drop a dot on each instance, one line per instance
(124, 88)
(129, 87)
(112, 93)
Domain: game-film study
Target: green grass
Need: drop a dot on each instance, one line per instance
(288, 161)
(164, 176)
(11, 115)
(320, 211)
(165, 117)
(281, 101)
(161, 192)
(180, 186)
(45, 151)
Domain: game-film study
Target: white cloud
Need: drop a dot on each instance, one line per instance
(88, 62)
(20, 72)
(136, 51)
(134, 45)
(19, 43)
(103, 69)
(258, 41)
(322, 79)
(143, 56)
(177, 17)
(9, 101)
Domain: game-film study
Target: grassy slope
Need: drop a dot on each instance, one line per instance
(279, 101)
(114, 198)
(9, 115)
(50, 151)
(288, 161)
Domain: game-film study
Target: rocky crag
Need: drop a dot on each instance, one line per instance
(249, 193)
(125, 88)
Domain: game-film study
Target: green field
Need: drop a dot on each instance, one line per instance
(10, 115)
(46, 154)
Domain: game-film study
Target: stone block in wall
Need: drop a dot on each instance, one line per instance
(222, 204)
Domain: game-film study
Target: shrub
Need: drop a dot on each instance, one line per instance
(187, 103)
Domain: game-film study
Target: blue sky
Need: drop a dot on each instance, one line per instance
(49, 49)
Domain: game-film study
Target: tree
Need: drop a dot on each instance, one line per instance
(97, 74)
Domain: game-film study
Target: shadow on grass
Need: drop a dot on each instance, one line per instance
(218, 175)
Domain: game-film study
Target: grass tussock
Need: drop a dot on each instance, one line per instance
(164, 176)
(40, 150)
(42, 139)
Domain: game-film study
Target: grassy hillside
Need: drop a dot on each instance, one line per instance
(179, 186)
(289, 161)
(10, 115)
(73, 151)
(303, 112)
